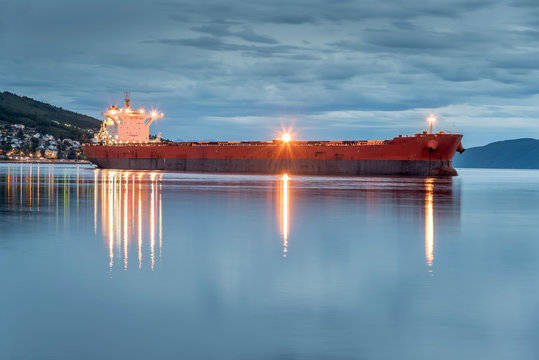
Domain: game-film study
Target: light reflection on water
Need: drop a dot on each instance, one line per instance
(127, 205)
(284, 212)
(159, 265)
(127, 208)
(429, 221)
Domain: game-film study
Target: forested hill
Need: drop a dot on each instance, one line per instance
(45, 118)
(508, 154)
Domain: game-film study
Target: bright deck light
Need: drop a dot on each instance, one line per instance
(286, 137)
(431, 120)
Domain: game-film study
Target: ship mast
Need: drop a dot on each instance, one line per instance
(127, 100)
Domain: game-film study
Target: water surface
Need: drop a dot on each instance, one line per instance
(99, 264)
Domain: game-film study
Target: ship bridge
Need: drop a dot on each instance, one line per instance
(126, 125)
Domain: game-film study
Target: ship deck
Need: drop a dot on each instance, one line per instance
(276, 142)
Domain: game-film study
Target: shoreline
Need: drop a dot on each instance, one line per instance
(44, 161)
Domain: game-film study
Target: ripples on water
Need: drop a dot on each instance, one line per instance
(107, 264)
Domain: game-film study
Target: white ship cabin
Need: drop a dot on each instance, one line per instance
(126, 125)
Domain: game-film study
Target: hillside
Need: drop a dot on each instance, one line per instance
(508, 154)
(45, 118)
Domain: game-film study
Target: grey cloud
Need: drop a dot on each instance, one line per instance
(204, 42)
(250, 35)
(216, 44)
(525, 3)
(457, 73)
(214, 29)
(404, 25)
(315, 11)
(419, 40)
(223, 30)
(302, 57)
(291, 19)
(526, 61)
(339, 73)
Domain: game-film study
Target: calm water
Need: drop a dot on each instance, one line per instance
(98, 264)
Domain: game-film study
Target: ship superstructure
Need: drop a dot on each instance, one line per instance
(126, 125)
(123, 143)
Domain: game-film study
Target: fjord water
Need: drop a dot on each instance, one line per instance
(99, 264)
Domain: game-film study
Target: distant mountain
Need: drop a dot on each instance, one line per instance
(45, 118)
(508, 154)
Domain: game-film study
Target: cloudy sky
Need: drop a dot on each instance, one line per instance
(242, 70)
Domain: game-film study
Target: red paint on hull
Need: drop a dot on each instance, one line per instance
(429, 148)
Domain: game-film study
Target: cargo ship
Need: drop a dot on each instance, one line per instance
(124, 143)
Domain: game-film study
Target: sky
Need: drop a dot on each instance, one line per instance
(246, 70)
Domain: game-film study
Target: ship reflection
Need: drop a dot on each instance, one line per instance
(127, 206)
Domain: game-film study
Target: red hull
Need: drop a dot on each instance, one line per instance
(423, 154)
